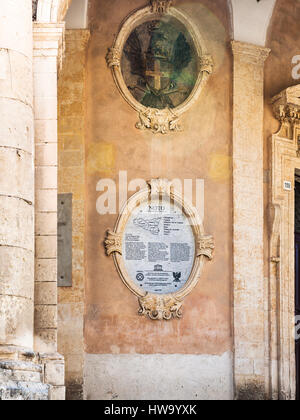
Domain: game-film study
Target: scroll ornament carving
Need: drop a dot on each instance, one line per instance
(160, 6)
(207, 64)
(158, 121)
(113, 243)
(160, 186)
(206, 246)
(160, 308)
(113, 57)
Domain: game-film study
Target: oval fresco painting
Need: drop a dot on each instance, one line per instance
(159, 63)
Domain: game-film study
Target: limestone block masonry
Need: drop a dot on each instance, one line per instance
(24, 373)
(248, 100)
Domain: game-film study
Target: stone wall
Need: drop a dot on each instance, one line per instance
(71, 105)
(113, 329)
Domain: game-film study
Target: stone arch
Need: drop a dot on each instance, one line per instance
(50, 11)
(250, 24)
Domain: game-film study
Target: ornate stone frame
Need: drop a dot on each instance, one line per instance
(160, 307)
(284, 161)
(166, 120)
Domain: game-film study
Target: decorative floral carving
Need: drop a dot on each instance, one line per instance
(207, 64)
(113, 242)
(206, 246)
(286, 107)
(159, 121)
(160, 308)
(113, 57)
(160, 6)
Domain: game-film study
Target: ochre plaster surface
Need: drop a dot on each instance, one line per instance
(202, 151)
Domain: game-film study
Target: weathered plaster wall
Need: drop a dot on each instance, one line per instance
(176, 377)
(203, 151)
(71, 180)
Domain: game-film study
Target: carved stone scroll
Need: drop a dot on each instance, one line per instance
(206, 246)
(113, 243)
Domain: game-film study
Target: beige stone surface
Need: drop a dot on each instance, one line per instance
(16, 184)
(16, 320)
(48, 46)
(45, 317)
(248, 277)
(16, 271)
(46, 270)
(16, 132)
(71, 180)
(169, 377)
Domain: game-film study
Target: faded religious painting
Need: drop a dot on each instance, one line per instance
(159, 63)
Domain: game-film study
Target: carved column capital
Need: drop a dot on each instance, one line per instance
(250, 53)
(286, 105)
(286, 108)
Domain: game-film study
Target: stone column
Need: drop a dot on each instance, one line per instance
(17, 177)
(248, 111)
(47, 55)
(48, 42)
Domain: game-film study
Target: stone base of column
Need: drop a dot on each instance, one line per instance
(250, 390)
(54, 375)
(29, 376)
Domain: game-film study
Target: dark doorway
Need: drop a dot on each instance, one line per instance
(297, 278)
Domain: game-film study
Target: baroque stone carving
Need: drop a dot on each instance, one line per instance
(207, 63)
(158, 306)
(158, 121)
(113, 57)
(206, 246)
(161, 6)
(158, 111)
(113, 243)
(286, 107)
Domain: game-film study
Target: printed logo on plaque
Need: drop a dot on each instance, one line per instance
(159, 247)
(160, 65)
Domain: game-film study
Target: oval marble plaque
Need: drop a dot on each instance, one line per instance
(158, 247)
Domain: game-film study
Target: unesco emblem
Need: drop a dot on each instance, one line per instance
(140, 277)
